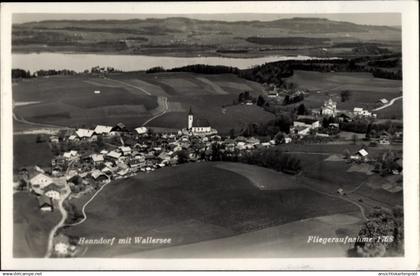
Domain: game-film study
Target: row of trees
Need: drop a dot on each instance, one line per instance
(272, 158)
(22, 74)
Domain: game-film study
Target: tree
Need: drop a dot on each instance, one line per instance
(286, 100)
(345, 95)
(182, 156)
(39, 139)
(301, 110)
(260, 100)
(232, 133)
(386, 230)
(354, 139)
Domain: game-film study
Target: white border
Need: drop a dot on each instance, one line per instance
(409, 12)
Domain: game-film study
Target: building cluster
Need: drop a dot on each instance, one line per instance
(83, 170)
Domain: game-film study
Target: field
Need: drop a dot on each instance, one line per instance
(330, 175)
(365, 90)
(30, 226)
(134, 97)
(176, 203)
(26, 152)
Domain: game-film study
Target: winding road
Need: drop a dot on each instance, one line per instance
(86, 204)
(391, 102)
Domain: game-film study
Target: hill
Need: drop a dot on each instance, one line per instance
(185, 36)
(198, 202)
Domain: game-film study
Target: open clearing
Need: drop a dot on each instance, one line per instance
(27, 152)
(132, 98)
(195, 202)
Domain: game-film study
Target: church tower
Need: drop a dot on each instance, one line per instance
(190, 119)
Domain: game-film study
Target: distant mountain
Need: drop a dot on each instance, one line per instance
(181, 34)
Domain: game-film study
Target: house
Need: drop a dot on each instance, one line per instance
(141, 130)
(384, 138)
(360, 155)
(287, 140)
(329, 108)
(114, 155)
(119, 127)
(100, 129)
(383, 101)
(45, 203)
(272, 94)
(358, 111)
(125, 150)
(84, 133)
(306, 121)
(40, 181)
(98, 175)
(73, 138)
(97, 158)
(70, 154)
(301, 130)
(52, 191)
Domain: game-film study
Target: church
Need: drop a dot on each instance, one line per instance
(198, 126)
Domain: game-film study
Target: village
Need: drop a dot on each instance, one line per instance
(87, 159)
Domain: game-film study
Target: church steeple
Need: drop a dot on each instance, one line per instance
(190, 119)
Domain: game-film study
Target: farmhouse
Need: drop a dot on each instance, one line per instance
(360, 155)
(329, 108)
(306, 121)
(103, 129)
(84, 133)
(45, 203)
(119, 127)
(358, 111)
(52, 191)
(40, 181)
(97, 158)
(383, 101)
(141, 130)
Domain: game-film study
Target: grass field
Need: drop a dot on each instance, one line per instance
(131, 98)
(329, 176)
(26, 152)
(283, 241)
(176, 203)
(365, 90)
(30, 226)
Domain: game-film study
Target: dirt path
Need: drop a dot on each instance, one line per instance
(333, 195)
(164, 103)
(391, 102)
(131, 85)
(60, 223)
(86, 204)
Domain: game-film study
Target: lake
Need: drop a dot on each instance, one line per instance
(80, 62)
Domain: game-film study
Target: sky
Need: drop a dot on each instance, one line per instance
(384, 19)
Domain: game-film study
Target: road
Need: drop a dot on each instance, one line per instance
(130, 85)
(334, 195)
(63, 212)
(86, 204)
(60, 223)
(391, 102)
(161, 100)
(164, 102)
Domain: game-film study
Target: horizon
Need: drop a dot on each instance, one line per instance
(373, 19)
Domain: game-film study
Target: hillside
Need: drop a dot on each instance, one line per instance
(185, 36)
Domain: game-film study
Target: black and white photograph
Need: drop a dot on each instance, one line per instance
(263, 134)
